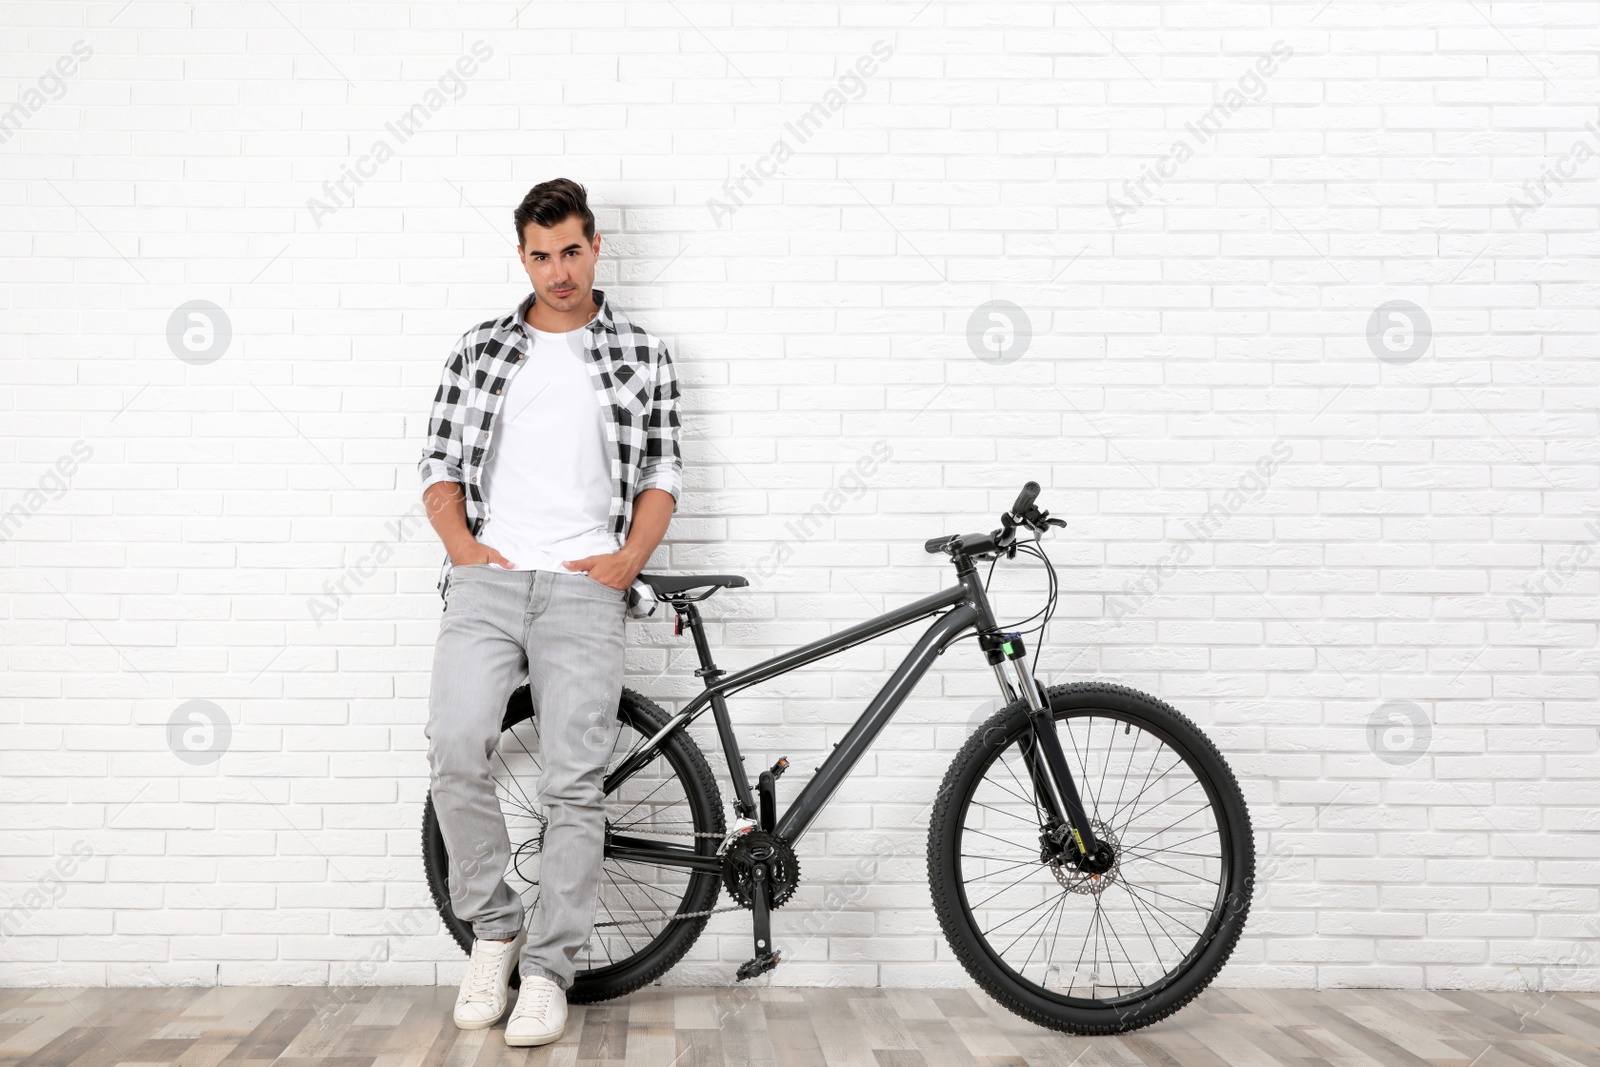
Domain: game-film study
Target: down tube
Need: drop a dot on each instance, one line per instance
(808, 805)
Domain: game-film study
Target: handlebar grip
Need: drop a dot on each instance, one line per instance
(936, 544)
(1025, 499)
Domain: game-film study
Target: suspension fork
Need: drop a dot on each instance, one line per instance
(1057, 790)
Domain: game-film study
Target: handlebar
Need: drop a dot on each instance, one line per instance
(1022, 513)
(971, 544)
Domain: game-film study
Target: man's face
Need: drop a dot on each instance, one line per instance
(559, 262)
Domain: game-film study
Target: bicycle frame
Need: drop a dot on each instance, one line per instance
(964, 606)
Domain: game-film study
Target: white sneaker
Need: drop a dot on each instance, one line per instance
(487, 985)
(540, 1016)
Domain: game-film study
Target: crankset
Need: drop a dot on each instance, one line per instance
(760, 871)
(757, 848)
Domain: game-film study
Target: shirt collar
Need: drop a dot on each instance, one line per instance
(603, 320)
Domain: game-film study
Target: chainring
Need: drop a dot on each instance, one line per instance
(759, 846)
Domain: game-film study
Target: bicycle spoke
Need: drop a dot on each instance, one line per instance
(1101, 915)
(626, 901)
(1106, 766)
(1169, 896)
(1033, 799)
(1007, 814)
(516, 805)
(1002, 840)
(1094, 803)
(1039, 941)
(1154, 949)
(1008, 888)
(1131, 962)
(603, 943)
(1137, 904)
(647, 796)
(1170, 867)
(1055, 939)
(1123, 783)
(1162, 911)
(1178, 762)
(1169, 826)
(511, 778)
(1176, 844)
(1014, 918)
(1045, 918)
(676, 902)
(1014, 866)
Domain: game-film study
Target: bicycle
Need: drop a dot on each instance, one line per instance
(1038, 840)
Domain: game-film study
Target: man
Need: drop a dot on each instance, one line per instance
(550, 474)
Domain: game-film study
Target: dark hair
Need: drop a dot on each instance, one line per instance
(552, 202)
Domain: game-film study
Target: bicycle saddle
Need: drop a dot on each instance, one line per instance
(670, 584)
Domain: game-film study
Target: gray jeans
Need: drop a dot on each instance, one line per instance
(564, 632)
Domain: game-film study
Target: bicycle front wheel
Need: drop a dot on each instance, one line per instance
(1093, 953)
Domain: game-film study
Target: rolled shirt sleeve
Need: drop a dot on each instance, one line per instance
(441, 455)
(663, 460)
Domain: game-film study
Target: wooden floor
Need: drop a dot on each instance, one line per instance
(411, 1027)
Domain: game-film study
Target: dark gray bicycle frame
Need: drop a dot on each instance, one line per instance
(968, 606)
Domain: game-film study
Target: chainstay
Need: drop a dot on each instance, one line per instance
(681, 915)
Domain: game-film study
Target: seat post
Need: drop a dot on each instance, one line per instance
(691, 618)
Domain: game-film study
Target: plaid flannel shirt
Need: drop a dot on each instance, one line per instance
(634, 384)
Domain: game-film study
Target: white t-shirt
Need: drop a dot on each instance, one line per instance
(548, 476)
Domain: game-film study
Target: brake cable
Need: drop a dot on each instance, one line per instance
(1053, 591)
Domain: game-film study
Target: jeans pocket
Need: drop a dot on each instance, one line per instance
(588, 586)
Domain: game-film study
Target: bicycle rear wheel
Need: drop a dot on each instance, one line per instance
(1093, 954)
(673, 798)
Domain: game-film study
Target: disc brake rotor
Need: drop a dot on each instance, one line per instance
(1075, 881)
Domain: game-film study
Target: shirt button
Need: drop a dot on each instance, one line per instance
(497, 392)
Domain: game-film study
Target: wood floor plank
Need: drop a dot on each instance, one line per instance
(745, 1038)
(1408, 1029)
(941, 1046)
(883, 1028)
(605, 1033)
(753, 1026)
(794, 1041)
(840, 1036)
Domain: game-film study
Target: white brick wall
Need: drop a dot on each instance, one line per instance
(1428, 538)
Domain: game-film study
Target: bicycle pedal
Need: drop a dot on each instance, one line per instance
(759, 966)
